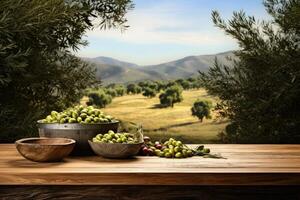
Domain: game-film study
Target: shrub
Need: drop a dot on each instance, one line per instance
(201, 109)
(171, 96)
(112, 92)
(133, 89)
(99, 98)
(120, 90)
(148, 92)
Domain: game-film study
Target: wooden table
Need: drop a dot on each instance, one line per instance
(266, 169)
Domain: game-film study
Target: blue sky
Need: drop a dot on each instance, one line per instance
(165, 30)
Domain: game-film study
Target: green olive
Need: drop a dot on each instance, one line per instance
(72, 120)
(157, 152)
(190, 153)
(168, 155)
(109, 137)
(161, 154)
(206, 150)
(96, 119)
(171, 151)
(49, 118)
(178, 155)
(79, 119)
(83, 115)
(99, 136)
(74, 115)
(119, 140)
(88, 120)
(166, 150)
(177, 149)
(184, 153)
(104, 140)
(84, 110)
(54, 113)
(178, 143)
(96, 140)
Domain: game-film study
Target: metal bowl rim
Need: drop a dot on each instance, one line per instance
(113, 122)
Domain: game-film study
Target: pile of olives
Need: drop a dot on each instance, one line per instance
(78, 114)
(170, 149)
(111, 137)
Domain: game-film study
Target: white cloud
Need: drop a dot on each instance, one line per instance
(162, 24)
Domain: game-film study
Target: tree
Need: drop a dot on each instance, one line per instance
(148, 92)
(99, 98)
(120, 90)
(133, 89)
(260, 93)
(171, 96)
(160, 85)
(185, 84)
(38, 73)
(201, 109)
(111, 92)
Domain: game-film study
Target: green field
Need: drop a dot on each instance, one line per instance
(160, 123)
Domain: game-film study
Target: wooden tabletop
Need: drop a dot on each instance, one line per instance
(245, 165)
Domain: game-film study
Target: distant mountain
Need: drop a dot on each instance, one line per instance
(110, 61)
(188, 66)
(111, 70)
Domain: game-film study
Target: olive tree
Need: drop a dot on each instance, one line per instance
(112, 92)
(148, 92)
(201, 109)
(133, 89)
(38, 73)
(260, 93)
(99, 98)
(120, 90)
(171, 96)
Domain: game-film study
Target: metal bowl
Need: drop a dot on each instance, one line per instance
(45, 149)
(81, 133)
(118, 150)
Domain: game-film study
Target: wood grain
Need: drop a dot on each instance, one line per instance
(244, 165)
(150, 192)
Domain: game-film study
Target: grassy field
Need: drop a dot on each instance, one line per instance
(161, 123)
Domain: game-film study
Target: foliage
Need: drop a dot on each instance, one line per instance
(99, 98)
(201, 109)
(133, 89)
(120, 90)
(37, 72)
(171, 96)
(148, 92)
(112, 92)
(184, 83)
(260, 94)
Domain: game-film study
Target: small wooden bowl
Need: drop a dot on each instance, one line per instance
(45, 149)
(115, 150)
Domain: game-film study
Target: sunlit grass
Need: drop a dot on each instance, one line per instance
(160, 123)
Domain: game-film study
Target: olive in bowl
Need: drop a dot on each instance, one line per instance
(117, 145)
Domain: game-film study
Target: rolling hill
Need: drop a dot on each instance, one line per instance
(111, 70)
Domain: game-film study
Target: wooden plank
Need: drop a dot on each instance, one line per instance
(245, 165)
(137, 178)
(150, 192)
